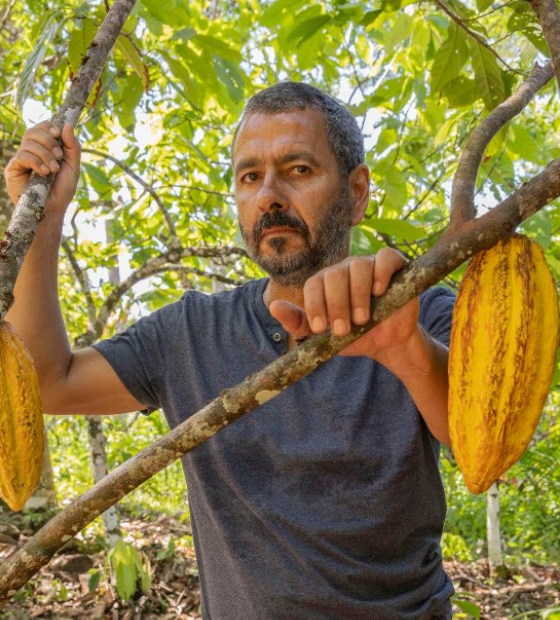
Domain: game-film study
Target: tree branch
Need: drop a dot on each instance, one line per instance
(29, 209)
(464, 181)
(548, 15)
(154, 265)
(83, 280)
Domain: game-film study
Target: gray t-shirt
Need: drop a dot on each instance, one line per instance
(324, 503)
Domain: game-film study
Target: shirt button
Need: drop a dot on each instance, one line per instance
(277, 337)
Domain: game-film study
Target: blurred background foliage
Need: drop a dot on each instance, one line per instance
(419, 76)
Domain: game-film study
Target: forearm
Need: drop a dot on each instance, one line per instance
(36, 313)
(421, 365)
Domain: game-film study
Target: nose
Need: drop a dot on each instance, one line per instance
(270, 196)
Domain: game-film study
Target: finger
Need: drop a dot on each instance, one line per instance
(314, 303)
(361, 281)
(387, 262)
(42, 153)
(45, 138)
(337, 296)
(23, 162)
(291, 317)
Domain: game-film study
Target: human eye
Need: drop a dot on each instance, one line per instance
(250, 177)
(301, 170)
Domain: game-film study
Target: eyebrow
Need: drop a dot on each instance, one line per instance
(244, 164)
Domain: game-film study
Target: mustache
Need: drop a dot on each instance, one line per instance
(272, 219)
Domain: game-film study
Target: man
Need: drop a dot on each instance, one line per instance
(326, 502)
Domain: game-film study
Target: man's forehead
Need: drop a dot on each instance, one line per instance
(301, 130)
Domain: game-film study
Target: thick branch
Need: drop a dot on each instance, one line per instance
(548, 15)
(167, 216)
(475, 35)
(29, 209)
(464, 181)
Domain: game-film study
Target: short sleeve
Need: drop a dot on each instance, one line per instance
(436, 313)
(138, 355)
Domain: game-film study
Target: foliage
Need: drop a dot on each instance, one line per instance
(165, 109)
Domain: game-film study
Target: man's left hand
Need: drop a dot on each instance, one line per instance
(341, 294)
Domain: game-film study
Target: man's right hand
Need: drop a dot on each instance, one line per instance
(41, 153)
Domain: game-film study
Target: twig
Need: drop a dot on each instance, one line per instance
(83, 280)
(167, 216)
(475, 35)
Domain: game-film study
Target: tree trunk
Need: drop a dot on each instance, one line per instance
(100, 469)
(495, 557)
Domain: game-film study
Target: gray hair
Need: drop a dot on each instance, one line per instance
(343, 133)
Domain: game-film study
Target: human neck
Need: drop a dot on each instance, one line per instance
(274, 291)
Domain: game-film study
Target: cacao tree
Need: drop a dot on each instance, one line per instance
(385, 75)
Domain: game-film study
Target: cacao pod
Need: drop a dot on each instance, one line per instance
(502, 355)
(21, 421)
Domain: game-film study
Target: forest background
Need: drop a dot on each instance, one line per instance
(154, 215)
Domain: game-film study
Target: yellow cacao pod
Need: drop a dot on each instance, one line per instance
(502, 354)
(21, 421)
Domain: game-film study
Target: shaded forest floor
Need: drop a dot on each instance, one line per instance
(63, 589)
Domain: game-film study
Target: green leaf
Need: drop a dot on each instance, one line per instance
(487, 74)
(306, 29)
(80, 38)
(450, 58)
(401, 229)
(129, 51)
(539, 228)
(186, 34)
(461, 92)
(125, 576)
(469, 607)
(230, 76)
(98, 179)
(170, 12)
(93, 581)
(50, 29)
(482, 5)
(216, 46)
(398, 33)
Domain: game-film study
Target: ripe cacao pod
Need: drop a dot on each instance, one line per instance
(502, 355)
(21, 421)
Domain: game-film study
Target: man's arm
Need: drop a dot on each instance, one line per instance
(342, 293)
(80, 382)
(421, 364)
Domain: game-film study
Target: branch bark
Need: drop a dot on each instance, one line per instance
(464, 180)
(29, 209)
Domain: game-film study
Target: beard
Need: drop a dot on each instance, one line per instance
(292, 268)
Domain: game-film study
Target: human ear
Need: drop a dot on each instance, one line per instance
(358, 181)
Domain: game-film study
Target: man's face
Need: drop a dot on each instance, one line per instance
(294, 209)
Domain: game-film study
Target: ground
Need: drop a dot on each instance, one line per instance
(62, 589)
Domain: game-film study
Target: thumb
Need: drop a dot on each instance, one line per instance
(72, 147)
(292, 318)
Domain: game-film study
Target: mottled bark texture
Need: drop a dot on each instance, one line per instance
(29, 209)
(463, 239)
